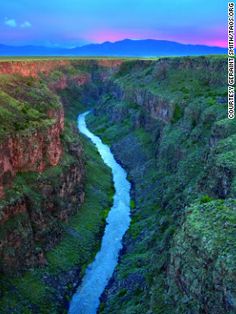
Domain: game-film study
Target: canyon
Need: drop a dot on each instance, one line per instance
(166, 122)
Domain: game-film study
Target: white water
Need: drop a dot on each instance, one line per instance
(98, 273)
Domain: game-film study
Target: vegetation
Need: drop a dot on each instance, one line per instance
(35, 291)
(24, 104)
(183, 169)
(166, 121)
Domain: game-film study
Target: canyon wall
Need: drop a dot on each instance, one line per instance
(41, 171)
(36, 68)
(166, 121)
(31, 68)
(167, 124)
(41, 160)
(37, 148)
(34, 150)
(30, 224)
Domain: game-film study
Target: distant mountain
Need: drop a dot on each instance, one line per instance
(31, 51)
(124, 48)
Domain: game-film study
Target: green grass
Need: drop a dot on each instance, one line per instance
(94, 209)
(76, 249)
(24, 105)
(40, 58)
(180, 168)
(183, 166)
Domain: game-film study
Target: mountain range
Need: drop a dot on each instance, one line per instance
(123, 48)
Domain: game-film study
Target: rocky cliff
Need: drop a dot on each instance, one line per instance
(167, 123)
(31, 151)
(41, 170)
(30, 223)
(31, 137)
(31, 68)
(41, 164)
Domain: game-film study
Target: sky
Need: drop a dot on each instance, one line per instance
(71, 23)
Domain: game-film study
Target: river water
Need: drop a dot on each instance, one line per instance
(98, 273)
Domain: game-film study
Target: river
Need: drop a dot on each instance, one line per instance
(98, 273)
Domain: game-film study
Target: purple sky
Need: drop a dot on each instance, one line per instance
(70, 23)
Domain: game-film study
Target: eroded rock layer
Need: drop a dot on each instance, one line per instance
(166, 121)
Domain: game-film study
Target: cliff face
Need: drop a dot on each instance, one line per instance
(31, 68)
(167, 124)
(33, 151)
(41, 163)
(48, 231)
(41, 168)
(30, 226)
(65, 80)
(205, 242)
(31, 138)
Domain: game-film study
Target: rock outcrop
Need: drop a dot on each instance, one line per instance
(31, 68)
(30, 224)
(41, 171)
(31, 151)
(166, 122)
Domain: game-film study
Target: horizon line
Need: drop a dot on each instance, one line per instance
(108, 41)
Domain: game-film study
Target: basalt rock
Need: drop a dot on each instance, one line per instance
(32, 151)
(30, 228)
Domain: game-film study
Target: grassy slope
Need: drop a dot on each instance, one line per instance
(134, 273)
(164, 184)
(23, 104)
(181, 168)
(30, 294)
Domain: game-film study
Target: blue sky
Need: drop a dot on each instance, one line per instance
(70, 23)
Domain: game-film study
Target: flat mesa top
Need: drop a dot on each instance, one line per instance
(56, 58)
(3, 59)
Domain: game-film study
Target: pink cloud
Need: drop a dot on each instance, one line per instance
(215, 38)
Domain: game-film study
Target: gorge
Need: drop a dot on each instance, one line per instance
(86, 299)
(166, 123)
